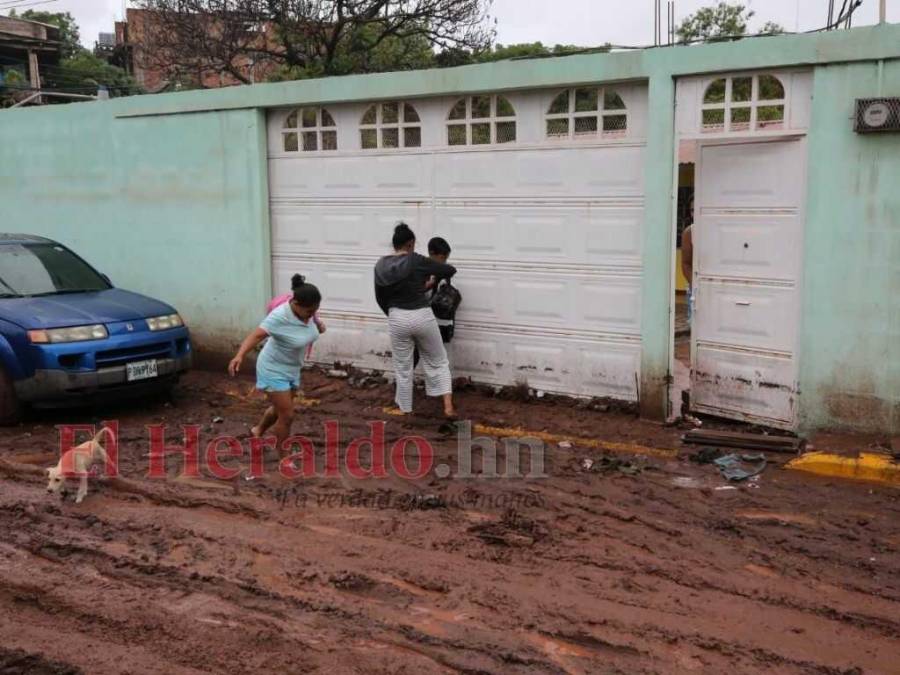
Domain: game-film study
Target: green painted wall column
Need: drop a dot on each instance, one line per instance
(850, 331)
(259, 204)
(656, 285)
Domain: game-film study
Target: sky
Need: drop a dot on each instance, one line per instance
(580, 22)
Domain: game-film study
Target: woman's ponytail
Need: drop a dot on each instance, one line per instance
(402, 236)
(305, 295)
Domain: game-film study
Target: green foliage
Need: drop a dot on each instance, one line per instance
(87, 72)
(720, 22)
(460, 57)
(525, 50)
(366, 50)
(356, 54)
(68, 29)
(11, 76)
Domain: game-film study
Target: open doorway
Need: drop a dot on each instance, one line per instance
(684, 219)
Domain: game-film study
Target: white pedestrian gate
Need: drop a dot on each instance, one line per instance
(748, 235)
(540, 194)
(749, 130)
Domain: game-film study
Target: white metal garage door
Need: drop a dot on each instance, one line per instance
(546, 233)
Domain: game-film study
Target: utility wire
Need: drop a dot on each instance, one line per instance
(16, 4)
(842, 18)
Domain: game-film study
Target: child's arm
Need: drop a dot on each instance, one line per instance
(319, 323)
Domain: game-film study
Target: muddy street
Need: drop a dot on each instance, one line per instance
(643, 565)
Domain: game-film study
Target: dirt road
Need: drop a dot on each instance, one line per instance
(641, 568)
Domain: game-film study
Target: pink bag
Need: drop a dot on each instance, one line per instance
(278, 301)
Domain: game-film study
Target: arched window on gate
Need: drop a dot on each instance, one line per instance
(481, 120)
(583, 113)
(309, 129)
(743, 103)
(390, 125)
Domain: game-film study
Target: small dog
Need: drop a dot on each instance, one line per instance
(78, 462)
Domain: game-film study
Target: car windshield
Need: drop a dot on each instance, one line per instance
(45, 269)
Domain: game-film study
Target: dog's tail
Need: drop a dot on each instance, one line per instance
(99, 450)
(104, 430)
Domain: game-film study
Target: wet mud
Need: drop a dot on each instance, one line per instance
(645, 566)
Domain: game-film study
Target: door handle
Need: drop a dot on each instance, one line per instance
(743, 303)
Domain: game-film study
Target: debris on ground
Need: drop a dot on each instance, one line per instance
(515, 392)
(513, 529)
(218, 420)
(733, 467)
(609, 464)
(706, 455)
(339, 374)
(370, 381)
(735, 439)
(565, 445)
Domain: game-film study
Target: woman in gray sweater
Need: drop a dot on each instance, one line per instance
(400, 289)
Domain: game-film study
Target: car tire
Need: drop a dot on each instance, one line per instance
(10, 406)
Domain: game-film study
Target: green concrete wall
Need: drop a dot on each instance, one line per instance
(850, 347)
(174, 207)
(168, 195)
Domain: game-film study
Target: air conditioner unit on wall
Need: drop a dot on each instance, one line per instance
(877, 114)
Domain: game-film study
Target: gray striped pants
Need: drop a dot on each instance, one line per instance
(411, 328)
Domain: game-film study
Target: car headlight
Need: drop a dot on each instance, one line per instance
(71, 334)
(164, 322)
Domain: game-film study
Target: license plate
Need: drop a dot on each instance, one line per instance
(141, 370)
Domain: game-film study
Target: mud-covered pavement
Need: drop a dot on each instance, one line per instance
(647, 569)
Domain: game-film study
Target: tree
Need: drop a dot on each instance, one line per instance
(720, 22)
(771, 28)
(87, 73)
(309, 38)
(68, 29)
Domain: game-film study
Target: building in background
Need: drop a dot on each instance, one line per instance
(137, 50)
(25, 48)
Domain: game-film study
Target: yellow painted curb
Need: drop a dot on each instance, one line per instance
(874, 467)
(591, 443)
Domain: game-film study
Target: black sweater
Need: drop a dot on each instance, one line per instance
(400, 280)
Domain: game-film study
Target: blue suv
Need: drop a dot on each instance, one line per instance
(67, 335)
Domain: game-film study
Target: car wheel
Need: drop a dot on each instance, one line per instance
(10, 407)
